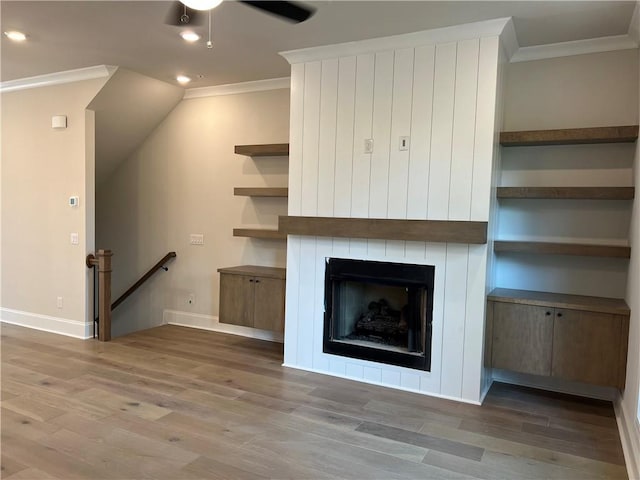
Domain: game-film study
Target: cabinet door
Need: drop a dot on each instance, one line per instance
(522, 336)
(269, 304)
(236, 299)
(586, 347)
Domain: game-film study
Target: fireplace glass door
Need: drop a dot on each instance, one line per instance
(379, 311)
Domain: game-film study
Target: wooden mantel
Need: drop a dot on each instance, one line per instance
(386, 229)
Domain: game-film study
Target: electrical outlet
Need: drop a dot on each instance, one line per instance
(59, 302)
(192, 299)
(74, 239)
(368, 145)
(196, 239)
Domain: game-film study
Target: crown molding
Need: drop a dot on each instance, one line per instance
(236, 88)
(509, 39)
(634, 25)
(57, 78)
(577, 47)
(467, 31)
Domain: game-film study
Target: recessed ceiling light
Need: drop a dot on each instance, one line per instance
(183, 79)
(16, 36)
(190, 36)
(202, 4)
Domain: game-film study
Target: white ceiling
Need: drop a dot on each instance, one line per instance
(132, 34)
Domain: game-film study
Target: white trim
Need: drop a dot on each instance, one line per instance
(386, 385)
(630, 438)
(634, 25)
(57, 78)
(486, 28)
(235, 88)
(485, 390)
(46, 323)
(509, 40)
(208, 322)
(554, 385)
(577, 47)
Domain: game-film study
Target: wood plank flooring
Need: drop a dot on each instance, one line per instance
(179, 403)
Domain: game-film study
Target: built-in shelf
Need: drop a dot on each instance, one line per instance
(587, 250)
(266, 150)
(570, 136)
(386, 229)
(556, 335)
(255, 270)
(261, 192)
(614, 306)
(582, 193)
(259, 233)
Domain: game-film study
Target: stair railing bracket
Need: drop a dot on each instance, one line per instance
(92, 261)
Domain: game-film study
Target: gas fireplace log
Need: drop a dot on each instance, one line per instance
(390, 326)
(382, 320)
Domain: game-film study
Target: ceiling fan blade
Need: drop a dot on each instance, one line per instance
(176, 16)
(290, 11)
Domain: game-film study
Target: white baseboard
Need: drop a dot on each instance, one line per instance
(46, 323)
(208, 322)
(630, 437)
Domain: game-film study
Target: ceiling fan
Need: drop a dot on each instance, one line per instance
(190, 12)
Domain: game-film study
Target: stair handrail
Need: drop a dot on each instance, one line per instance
(102, 260)
(144, 278)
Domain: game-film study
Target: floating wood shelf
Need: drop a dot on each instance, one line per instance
(570, 136)
(616, 251)
(386, 229)
(259, 233)
(614, 306)
(266, 150)
(258, 271)
(261, 192)
(584, 193)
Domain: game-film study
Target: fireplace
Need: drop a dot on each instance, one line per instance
(379, 311)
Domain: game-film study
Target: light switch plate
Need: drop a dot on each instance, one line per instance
(368, 145)
(74, 239)
(196, 239)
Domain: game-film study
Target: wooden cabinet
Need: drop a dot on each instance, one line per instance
(268, 300)
(253, 296)
(236, 299)
(587, 347)
(576, 338)
(522, 338)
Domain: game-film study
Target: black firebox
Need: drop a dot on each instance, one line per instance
(379, 311)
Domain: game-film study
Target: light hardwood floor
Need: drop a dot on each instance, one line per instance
(179, 403)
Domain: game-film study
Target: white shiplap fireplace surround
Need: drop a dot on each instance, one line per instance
(440, 88)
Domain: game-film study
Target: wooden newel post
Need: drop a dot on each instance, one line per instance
(102, 260)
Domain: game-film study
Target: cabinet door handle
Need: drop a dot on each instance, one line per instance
(257, 281)
(251, 280)
(559, 314)
(547, 313)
